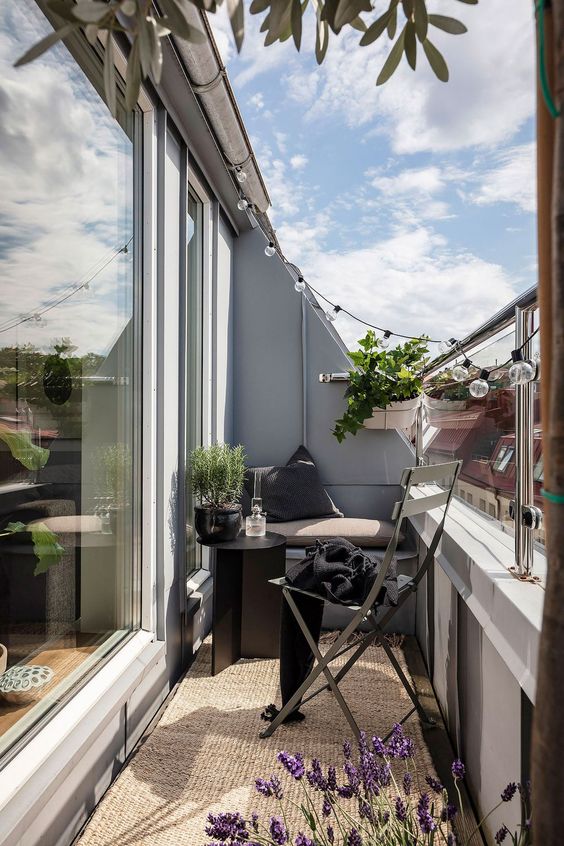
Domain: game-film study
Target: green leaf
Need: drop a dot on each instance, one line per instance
(421, 19)
(297, 23)
(109, 75)
(358, 23)
(258, 6)
(450, 25)
(469, 2)
(237, 18)
(156, 49)
(45, 44)
(145, 45)
(436, 61)
(62, 8)
(376, 29)
(12, 528)
(23, 449)
(393, 23)
(176, 20)
(46, 547)
(393, 60)
(90, 11)
(410, 44)
(348, 10)
(321, 36)
(133, 77)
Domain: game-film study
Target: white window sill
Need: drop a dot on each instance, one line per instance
(476, 555)
(34, 773)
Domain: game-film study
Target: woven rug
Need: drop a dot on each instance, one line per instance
(205, 752)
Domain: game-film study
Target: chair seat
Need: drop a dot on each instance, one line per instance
(404, 583)
(359, 531)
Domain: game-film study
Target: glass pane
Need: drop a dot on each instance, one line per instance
(538, 462)
(479, 431)
(194, 352)
(68, 386)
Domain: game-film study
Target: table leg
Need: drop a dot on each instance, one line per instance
(260, 623)
(227, 586)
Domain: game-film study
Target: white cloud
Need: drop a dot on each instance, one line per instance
(299, 161)
(257, 100)
(511, 180)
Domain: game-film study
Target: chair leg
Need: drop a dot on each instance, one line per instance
(401, 675)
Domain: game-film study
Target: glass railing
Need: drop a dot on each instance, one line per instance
(498, 436)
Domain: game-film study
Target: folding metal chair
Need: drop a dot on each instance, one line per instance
(408, 506)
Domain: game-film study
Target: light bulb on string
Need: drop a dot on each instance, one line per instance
(385, 339)
(333, 314)
(480, 386)
(243, 204)
(300, 284)
(270, 249)
(460, 372)
(36, 317)
(446, 346)
(240, 174)
(522, 370)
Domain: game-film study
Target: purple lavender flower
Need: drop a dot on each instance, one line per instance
(352, 775)
(254, 820)
(227, 826)
(278, 831)
(330, 834)
(458, 769)
(302, 840)
(263, 787)
(364, 810)
(354, 838)
(276, 787)
(345, 792)
(426, 822)
(315, 776)
(294, 764)
(384, 817)
(509, 792)
(407, 783)
(379, 747)
(332, 778)
(384, 775)
(501, 834)
(434, 784)
(448, 812)
(326, 807)
(401, 809)
(347, 751)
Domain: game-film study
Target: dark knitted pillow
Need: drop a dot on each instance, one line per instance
(293, 492)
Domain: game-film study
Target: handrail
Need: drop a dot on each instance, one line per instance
(500, 320)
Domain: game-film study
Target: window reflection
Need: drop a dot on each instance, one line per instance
(67, 374)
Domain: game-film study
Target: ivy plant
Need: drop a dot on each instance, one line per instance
(379, 377)
(407, 23)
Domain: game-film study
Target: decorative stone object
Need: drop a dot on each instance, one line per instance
(3, 658)
(20, 685)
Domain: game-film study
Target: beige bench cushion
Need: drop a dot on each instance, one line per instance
(361, 532)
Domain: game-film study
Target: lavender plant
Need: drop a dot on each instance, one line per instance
(376, 797)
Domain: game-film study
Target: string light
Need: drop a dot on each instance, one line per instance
(243, 204)
(270, 249)
(522, 370)
(333, 314)
(460, 372)
(480, 386)
(240, 174)
(299, 284)
(385, 339)
(446, 346)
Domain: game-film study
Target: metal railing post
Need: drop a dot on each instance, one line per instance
(524, 538)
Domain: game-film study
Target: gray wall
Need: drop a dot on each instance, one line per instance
(270, 365)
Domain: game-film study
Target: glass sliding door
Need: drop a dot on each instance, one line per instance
(194, 354)
(69, 387)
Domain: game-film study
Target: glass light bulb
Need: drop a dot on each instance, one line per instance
(522, 372)
(460, 373)
(385, 340)
(37, 318)
(241, 175)
(479, 388)
(270, 249)
(444, 347)
(300, 284)
(242, 204)
(331, 315)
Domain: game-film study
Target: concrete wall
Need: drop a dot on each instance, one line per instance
(280, 403)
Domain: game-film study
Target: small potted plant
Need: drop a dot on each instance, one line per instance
(217, 475)
(384, 386)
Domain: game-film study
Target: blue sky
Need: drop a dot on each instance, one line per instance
(411, 204)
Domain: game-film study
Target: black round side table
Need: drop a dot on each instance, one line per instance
(246, 608)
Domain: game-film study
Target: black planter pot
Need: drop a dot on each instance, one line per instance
(215, 525)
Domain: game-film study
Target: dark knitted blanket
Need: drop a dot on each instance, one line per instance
(343, 573)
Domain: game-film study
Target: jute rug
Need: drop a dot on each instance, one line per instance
(205, 752)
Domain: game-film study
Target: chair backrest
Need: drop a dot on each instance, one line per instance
(408, 506)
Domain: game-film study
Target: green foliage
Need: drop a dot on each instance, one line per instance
(23, 449)
(113, 472)
(45, 543)
(217, 474)
(283, 20)
(380, 377)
